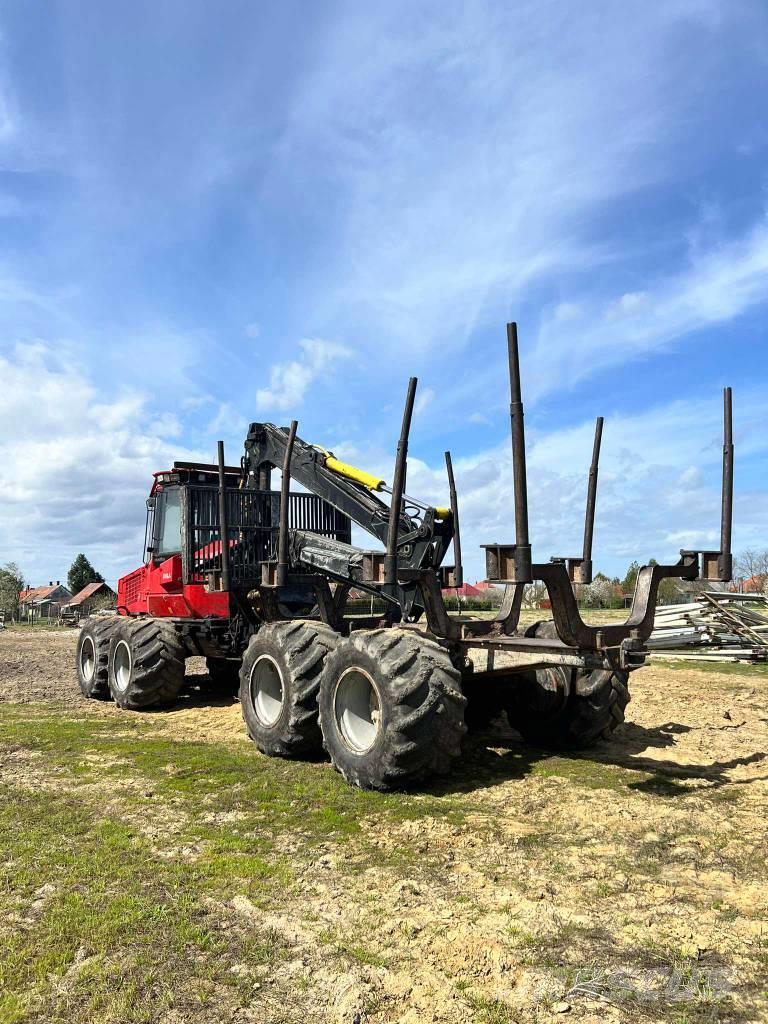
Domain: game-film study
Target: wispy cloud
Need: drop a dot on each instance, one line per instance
(288, 382)
(580, 339)
(448, 219)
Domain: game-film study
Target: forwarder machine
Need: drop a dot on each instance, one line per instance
(257, 581)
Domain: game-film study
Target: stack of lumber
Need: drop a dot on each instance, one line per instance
(717, 626)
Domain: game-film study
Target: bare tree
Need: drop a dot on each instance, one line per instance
(534, 594)
(753, 565)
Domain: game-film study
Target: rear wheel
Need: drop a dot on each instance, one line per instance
(391, 709)
(146, 663)
(279, 683)
(92, 658)
(560, 708)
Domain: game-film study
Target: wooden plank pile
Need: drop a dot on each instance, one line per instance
(717, 626)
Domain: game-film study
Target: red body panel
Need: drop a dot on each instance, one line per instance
(158, 590)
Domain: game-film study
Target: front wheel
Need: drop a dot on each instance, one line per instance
(146, 663)
(391, 709)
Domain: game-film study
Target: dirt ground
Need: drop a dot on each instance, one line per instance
(627, 883)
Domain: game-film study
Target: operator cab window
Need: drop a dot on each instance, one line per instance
(168, 518)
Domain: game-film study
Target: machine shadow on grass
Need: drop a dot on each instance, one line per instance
(498, 755)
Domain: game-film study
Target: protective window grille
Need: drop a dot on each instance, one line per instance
(253, 520)
(132, 585)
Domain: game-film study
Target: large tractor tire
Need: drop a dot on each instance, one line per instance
(561, 708)
(279, 683)
(146, 663)
(92, 657)
(391, 709)
(223, 678)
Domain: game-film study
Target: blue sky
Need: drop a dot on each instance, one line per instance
(210, 215)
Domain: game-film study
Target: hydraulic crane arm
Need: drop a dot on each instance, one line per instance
(424, 532)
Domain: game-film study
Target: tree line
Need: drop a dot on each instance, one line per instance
(606, 592)
(13, 583)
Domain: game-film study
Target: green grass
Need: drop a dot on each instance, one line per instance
(118, 795)
(100, 940)
(309, 798)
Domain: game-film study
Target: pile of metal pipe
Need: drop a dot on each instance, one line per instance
(717, 626)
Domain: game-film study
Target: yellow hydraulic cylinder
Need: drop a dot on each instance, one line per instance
(353, 473)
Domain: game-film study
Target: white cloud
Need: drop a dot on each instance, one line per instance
(75, 470)
(197, 401)
(227, 422)
(658, 486)
(719, 284)
(166, 425)
(288, 382)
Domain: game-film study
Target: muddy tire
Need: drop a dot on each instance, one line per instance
(92, 657)
(223, 678)
(566, 709)
(279, 684)
(146, 663)
(391, 709)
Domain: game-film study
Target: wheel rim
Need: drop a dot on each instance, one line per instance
(122, 663)
(87, 659)
(357, 708)
(266, 689)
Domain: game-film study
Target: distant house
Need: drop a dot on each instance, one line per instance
(92, 597)
(466, 590)
(481, 590)
(754, 585)
(43, 602)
